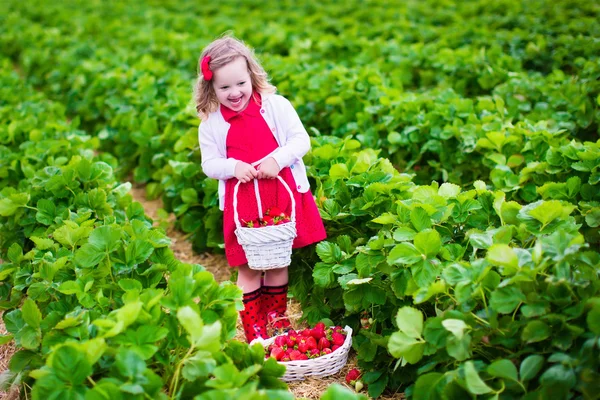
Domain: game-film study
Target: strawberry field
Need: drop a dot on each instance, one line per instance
(455, 161)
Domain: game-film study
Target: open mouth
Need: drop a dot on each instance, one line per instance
(236, 102)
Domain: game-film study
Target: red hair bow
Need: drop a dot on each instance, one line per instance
(206, 72)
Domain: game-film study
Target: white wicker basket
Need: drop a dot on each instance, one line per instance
(326, 365)
(267, 247)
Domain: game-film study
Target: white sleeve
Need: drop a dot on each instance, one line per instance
(298, 141)
(214, 163)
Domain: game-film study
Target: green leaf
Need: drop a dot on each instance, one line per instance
(404, 253)
(459, 348)
(138, 251)
(69, 287)
(199, 366)
(105, 238)
(402, 345)
(189, 196)
(70, 364)
(550, 210)
(410, 321)
(428, 242)
(404, 234)
(129, 364)
(9, 205)
(130, 284)
(504, 256)
(449, 190)
(329, 252)
(203, 337)
(339, 171)
(456, 326)
(593, 320)
(506, 299)
(42, 243)
(46, 212)
(560, 376)
(338, 392)
(30, 337)
(88, 256)
(430, 387)
(31, 313)
(420, 219)
(474, 383)
(503, 369)
(15, 253)
(323, 275)
(530, 367)
(535, 331)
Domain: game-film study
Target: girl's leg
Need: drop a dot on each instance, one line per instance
(274, 302)
(248, 279)
(253, 319)
(276, 277)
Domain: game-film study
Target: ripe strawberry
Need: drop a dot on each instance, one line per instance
(335, 347)
(303, 357)
(267, 220)
(294, 355)
(274, 211)
(277, 353)
(352, 376)
(320, 325)
(338, 338)
(291, 340)
(338, 329)
(303, 346)
(311, 342)
(314, 353)
(326, 350)
(317, 333)
(305, 332)
(281, 341)
(324, 343)
(285, 358)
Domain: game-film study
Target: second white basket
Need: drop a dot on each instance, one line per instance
(326, 365)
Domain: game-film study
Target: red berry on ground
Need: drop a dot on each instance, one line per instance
(352, 376)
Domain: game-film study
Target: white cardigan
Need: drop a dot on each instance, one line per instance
(287, 128)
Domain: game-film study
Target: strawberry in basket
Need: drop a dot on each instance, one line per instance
(306, 344)
(273, 216)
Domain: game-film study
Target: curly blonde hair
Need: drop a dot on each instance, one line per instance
(222, 51)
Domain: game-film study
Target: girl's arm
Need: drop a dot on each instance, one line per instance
(214, 165)
(298, 141)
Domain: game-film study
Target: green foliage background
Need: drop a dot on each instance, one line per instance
(455, 162)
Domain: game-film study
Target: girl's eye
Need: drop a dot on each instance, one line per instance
(242, 83)
(224, 87)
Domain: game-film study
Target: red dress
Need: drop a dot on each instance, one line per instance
(249, 139)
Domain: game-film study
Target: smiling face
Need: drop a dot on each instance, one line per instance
(232, 84)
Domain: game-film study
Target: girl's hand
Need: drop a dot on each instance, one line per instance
(245, 172)
(268, 169)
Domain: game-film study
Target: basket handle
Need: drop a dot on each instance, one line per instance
(236, 217)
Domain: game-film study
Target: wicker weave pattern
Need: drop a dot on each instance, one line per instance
(267, 247)
(322, 366)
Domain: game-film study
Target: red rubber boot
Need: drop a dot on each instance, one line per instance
(274, 306)
(253, 319)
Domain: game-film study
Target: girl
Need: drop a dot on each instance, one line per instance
(248, 132)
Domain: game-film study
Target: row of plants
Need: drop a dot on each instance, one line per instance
(437, 133)
(94, 299)
(369, 101)
(462, 287)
